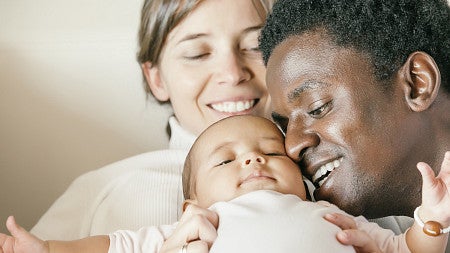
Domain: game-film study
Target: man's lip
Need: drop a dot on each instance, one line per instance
(321, 171)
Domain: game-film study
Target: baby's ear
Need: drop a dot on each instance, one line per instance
(187, 202)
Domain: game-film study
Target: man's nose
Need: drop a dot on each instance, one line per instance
(300, 139)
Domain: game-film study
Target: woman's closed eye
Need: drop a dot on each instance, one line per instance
(196, 56)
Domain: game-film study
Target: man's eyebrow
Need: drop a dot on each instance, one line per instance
(307, 85)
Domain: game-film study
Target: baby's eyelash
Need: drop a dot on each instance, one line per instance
(224, 162)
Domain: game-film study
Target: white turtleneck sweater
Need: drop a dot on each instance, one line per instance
(143, 190)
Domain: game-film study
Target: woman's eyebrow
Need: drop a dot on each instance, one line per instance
(191, 37)
(253, 28)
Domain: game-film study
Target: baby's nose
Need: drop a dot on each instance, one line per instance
(254, 158)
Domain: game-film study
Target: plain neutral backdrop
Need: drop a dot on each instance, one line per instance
(71, 98)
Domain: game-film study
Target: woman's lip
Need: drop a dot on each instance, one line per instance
(235, 106)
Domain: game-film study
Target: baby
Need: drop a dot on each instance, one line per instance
(257, 202)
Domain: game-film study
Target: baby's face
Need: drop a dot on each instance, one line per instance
(240, 155)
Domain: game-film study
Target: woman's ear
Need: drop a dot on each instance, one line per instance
(153, 79)
(422, 81)
(187, 202)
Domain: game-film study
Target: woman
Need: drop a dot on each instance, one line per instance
(203, 58)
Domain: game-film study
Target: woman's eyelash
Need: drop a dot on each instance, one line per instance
(196, 57)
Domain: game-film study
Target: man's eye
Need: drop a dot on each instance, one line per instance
(321, 111)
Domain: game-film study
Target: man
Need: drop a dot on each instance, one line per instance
(362, 91)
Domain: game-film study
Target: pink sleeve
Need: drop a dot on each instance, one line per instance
(148, 239)
(385, 238)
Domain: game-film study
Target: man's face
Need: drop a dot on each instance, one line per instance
(350, 134)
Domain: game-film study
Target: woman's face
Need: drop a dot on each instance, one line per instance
(210, 66)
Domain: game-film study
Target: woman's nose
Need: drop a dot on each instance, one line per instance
(233, 70)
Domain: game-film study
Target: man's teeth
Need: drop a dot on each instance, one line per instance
(232, 107)
(322, 173)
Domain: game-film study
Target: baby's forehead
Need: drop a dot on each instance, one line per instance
(238, 128)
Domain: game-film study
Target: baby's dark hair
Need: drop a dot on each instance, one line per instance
(188, 176)
(388, 31)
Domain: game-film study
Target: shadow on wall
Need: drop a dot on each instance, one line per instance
(68, 105)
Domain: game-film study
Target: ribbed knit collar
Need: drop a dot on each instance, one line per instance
(180, 138)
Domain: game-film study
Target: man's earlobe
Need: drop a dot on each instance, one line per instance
(422, 81)
(154, 82)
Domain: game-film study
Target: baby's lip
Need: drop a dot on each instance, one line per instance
(257, 175)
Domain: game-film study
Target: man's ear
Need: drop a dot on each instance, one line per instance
(422, 81)
(188, 202)
(153, 78)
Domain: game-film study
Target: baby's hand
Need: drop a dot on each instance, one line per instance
(351, 235)
(195, 231)
(20, 240)
(436, 192)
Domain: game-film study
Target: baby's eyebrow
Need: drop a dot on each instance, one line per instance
(221, 146)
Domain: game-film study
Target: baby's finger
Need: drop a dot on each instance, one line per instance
(198, 228)
(445, 167)
(197, 247)
(14, 228)
(360, 240)
(341, 220)
(428, 176)
(192, 210)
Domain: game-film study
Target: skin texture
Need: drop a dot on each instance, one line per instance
(230, 160)
(331, 107)
(231, 163)
(206, 63)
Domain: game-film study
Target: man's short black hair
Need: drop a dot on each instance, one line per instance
(386, 30)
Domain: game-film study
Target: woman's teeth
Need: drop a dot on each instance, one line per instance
(322, 173)
(233, 107)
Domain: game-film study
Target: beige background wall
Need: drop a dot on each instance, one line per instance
(71, 97)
